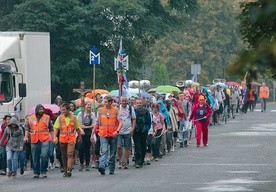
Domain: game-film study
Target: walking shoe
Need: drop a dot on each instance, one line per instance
(3, 173)
(97, 164)
(36, 176)
(81, 167)
(13, 174)
(51, 166)
(69, 173)
(44, 175)
(137, 166)
(9, 174)
(156, 159)
(181, 145)
(101, 170)
(87, 168)
(120, 165)
(21, 170)
(206, 145)
(61, 169)
(148, 162)
(111, 172)
(65, 174)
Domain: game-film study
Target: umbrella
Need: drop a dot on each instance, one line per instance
(256, 83)
(97, 91)
(232, 83)
(152, 90)
(86, 99)
(53, 107)
(115, 93)
(222, 85)
(167, 89)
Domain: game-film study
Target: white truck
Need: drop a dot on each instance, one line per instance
(25, 78)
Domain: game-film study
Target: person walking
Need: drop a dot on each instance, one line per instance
(158, 121)
(15, 136)
(66, 125)
(143, 124)
(87, 121)
(264, 95)
(3, 162)
(128, 118)
(109, 127)
(200, 115)
(39, 126)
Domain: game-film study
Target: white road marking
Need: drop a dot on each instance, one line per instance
(236, 184)
(242, 172)
(211, 164)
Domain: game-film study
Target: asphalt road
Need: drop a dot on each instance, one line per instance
(241, 156)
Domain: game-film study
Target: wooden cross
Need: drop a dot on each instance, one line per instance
(82, 91)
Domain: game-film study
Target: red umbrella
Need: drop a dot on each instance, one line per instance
(53, 107)
(86, 99)
(232, 83)
(256, 83)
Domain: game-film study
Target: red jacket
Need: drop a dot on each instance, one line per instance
(196, 107)
(3, 127)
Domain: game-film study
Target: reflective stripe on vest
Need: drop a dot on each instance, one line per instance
(67, 132)
(108, 123)
(39, 129)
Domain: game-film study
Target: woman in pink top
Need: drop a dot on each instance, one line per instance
(158, 130)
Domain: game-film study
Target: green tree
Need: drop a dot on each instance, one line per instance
(259, 33)
(76, 25)
(210, 37)
(160, 75)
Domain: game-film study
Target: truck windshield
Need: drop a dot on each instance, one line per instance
(5, 87)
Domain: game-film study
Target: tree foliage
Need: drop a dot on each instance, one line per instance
(210, 37)
(76, 25)
(160, 75)
(259, 32)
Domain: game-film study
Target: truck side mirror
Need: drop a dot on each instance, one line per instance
(22, 90)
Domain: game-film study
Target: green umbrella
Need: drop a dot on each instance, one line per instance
(167, 89)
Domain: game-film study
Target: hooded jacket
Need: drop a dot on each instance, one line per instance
(15, 136)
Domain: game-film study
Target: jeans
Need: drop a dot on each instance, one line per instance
(183, 131)
(12, 160)
(51, 152)
(3, 162)
(140, 145)
(156, 141)
(21, 159)
(85, 147)
(67, 153)
(112, 144)
(263, 104)
(40, 157)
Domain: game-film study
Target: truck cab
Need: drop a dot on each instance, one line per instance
(24, 72)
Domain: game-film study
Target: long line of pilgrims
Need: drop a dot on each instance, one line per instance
(155, 127)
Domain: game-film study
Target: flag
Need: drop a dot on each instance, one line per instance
(193, 78)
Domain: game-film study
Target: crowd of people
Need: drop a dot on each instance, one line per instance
(107, 133)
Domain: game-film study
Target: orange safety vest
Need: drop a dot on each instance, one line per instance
(39, 130)
(264, 92)
(108, 123)
(67, 133)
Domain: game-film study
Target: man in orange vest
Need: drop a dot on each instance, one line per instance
(67, 124)
(39, 126)
(108, 126)
(264, 95)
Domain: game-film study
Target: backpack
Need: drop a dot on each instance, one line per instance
(141, 120)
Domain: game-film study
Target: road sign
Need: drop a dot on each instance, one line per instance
(94, 58)
(195, 69)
